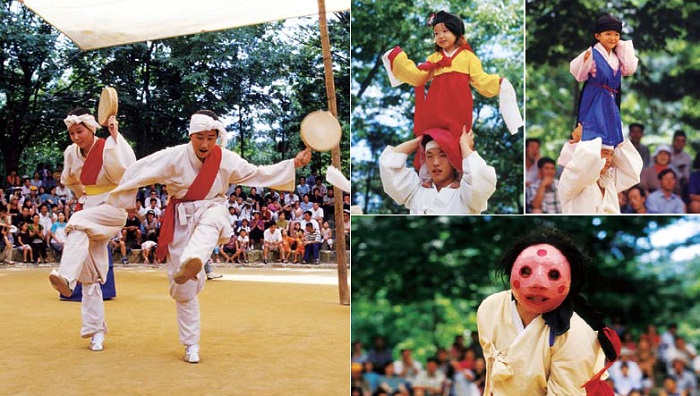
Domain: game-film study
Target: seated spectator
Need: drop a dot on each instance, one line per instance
(327, 236)
(6, 243)
(317, 212)
(26, 186)
(299, 243)
(151, 226)
(306, 203)
(131, 233)
(312, 244)
(243, 227)
(390, 381)
(256, 198)
(671, 388)
(148, 249)
(649, 178)
(272, 238)
(665, 200)
(233, 217)
(407, 367)
(238, 193)
(429, 382)
(117, 242)
(228, 250)
(282, 222)
(45, 218)
(23, 242)
(57, 235)
(36, 180)
(694, 187)
(307, 219)
(302, 188)
(246, 211)
(51, 198)
(287, 242)
(636, 200)
(297, 212)
(257, 229)
(242, 244)
(13, 179)
(541, 195)
(318, 184)
(684, 378)
(329, 205)
(38, 239)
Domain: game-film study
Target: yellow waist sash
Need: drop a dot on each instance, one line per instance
(97, 190)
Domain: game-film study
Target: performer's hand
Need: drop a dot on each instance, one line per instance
(466, 142)
(587, 55)
(409, 146)
(576, 134)
(113, 126)
(302, 158)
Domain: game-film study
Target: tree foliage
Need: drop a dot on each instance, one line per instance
(383, 115)
(663, 92)
(261, 80)
(419, 280)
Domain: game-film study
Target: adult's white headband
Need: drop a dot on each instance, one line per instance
(202, 122)
(86, 119)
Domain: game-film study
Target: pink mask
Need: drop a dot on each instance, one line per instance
(540, 278)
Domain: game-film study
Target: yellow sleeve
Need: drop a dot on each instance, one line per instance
(488, 85)
(403, 69)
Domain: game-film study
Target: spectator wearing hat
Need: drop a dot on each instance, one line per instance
(649, 178)
(26, 186)
(665, 200)
(151, 226)
(246, 210)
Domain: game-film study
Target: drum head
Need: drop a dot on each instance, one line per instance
(108, 106)
(321, 131)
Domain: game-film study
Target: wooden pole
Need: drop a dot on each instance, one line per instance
(343, 290)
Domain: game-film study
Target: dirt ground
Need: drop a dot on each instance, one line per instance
(258, 337)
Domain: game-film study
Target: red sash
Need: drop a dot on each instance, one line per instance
(93, 163)
(198, 190)
(595, 386)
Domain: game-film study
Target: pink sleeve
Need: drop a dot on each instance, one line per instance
(625, 53)
(580, 69)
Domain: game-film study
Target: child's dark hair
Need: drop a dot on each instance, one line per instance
(578, 262)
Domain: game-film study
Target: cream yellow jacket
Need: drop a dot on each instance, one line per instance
(521, 362)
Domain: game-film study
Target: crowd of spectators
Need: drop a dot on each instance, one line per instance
(669, 182)
(650, 363)
(295, 224)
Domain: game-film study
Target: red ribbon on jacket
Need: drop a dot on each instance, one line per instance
(91, 167)
(198, 190)
(595, 386)
(93, 163)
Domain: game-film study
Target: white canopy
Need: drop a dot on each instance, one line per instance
(103, 23)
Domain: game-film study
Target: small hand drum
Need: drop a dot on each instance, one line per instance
(108, 106)
(321, 131)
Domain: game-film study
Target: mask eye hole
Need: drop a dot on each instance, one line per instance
(554, 274)
(525, 272)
